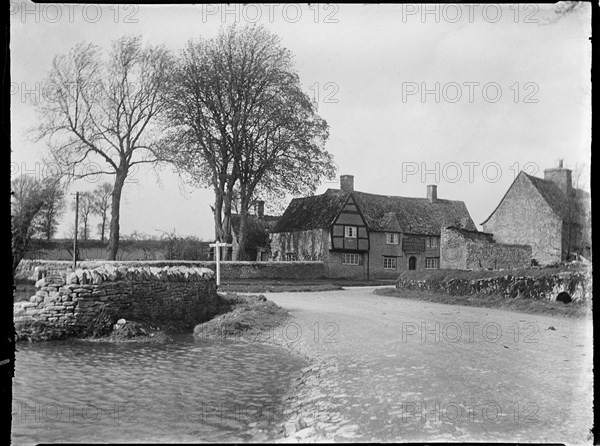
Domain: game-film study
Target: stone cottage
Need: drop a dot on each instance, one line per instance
(362, 235)
(549, 214)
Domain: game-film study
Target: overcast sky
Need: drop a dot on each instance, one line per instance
(455, 95)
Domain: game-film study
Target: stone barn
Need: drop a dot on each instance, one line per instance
(548, 214)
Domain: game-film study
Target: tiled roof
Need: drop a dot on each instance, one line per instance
(268, 221)
(473, 236)
(552, 194)
(412, 215)
(315, 212)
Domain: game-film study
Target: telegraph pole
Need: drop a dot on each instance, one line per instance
(76, 230)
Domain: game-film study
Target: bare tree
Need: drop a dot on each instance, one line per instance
(102, 110)
(86, 204)
(241, 117)
(100, 206)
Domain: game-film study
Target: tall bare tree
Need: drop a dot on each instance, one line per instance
(242, 118)
(86, 206)
(102, 110)
(101, 204)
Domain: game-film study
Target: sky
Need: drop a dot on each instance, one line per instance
(461, 96)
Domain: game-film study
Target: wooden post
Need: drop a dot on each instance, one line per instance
(76, 230)
(217, 246)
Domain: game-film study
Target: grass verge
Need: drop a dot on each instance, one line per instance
(552, 308)
(282, 286)
(243, 318)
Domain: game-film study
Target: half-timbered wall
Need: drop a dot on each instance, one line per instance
(350, 216)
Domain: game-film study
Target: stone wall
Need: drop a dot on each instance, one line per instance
(470, 250)
(88, 301)
(577, 283)
(229, 270)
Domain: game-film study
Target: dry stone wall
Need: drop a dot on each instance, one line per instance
(85, 302)
(470, 250)
(578, 284)
(229, 269)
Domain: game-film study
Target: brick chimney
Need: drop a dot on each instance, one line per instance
(560, 176)
(347, 183)
(432, 193)
(259, 209)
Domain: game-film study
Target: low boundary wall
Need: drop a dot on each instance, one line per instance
(229, 270)
(85, 302)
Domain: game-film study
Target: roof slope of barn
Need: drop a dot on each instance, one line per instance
(548, 190)
(413, 215)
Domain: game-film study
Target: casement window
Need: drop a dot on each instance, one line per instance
(291, 257)
(432, 262)
(389, 263)
(432, 242)
(392, 238)
(351, 259)
(350, 231)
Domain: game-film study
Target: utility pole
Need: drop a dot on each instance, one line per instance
(76, 230)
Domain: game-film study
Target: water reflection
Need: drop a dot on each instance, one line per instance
(184, 391)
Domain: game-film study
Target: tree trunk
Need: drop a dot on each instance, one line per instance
(103, 227)
(227, 227)
(113, 241)
(242, 233)
(218, 211)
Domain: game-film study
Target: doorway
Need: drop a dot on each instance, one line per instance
(412, 263)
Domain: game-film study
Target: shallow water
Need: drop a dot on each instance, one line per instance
(184, 391)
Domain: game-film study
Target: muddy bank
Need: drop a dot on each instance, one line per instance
(133, 331)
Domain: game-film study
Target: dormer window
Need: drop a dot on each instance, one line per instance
(350, 231)
(392, 238)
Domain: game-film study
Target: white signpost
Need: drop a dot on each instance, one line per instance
(218, 245)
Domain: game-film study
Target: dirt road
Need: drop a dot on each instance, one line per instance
(405, 370)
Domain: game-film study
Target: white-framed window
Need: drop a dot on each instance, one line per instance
(350, 231)
(432, 242)
(432, 262)
(392, 238)
(351, 259)
(291, 257)
(389, 263)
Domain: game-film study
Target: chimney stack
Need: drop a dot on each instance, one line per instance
(560, 176)
(432, 193)
(347, 183)
(260, 209)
